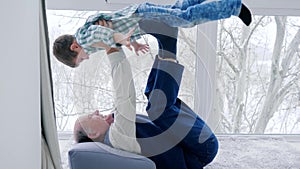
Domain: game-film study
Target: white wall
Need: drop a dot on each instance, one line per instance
(19, 85)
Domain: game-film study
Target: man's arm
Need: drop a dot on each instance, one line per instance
(122, 131)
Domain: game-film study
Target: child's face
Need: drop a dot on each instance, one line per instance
(81, 57)
(81, 54)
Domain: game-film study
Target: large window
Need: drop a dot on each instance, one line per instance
(258, 75)
(241, 80)
(88, 87)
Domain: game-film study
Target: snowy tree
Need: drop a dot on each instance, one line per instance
(254, 80)
(282, 78)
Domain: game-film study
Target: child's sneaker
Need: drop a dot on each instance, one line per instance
(245, 15)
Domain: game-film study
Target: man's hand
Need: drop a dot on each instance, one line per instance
(140, 47)
(104, 23)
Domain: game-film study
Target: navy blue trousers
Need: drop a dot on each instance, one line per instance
(174, 136)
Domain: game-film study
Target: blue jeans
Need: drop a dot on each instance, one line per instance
(189, 13)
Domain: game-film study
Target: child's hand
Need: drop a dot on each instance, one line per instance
(124, 39)
(140, 47)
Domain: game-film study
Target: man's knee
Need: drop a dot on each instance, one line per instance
(212, 149)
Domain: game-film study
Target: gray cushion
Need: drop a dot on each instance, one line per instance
(94, 155)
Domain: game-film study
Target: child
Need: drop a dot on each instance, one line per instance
(120, 28)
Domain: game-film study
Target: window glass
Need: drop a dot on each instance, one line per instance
(258, 75)
(88, 87)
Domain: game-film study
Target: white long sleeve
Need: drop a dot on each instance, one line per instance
(122, 132)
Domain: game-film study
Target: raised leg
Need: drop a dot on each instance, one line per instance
(191, 15)
(166, 36)
(167, 43)
(183, 5)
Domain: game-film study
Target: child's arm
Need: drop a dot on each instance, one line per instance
(125, 40)
(121, 39)
(102, 35)
(89, 36)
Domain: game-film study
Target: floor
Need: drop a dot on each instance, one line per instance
(257, 152)
(240, 152)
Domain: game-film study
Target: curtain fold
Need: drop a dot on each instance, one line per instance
(50, 155)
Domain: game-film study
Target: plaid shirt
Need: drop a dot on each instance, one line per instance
(122, 20)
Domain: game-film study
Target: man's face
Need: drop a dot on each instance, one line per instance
(94, 124)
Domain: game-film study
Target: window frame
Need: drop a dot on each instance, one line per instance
(97, 5)
(260, 7)
(205, 85)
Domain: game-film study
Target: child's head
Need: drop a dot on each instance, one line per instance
(62, 50)
(68, 51)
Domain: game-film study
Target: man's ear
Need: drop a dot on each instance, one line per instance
(74, 46)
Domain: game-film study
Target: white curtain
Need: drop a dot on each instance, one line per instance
(50, 155)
